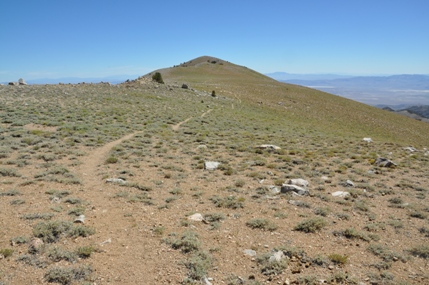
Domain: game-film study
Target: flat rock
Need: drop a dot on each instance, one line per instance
(249, 252)
(196, 217)
(299, 182)
(341, 194)
(293, 188)
(116, 180)
(269, 147)
(211, 165)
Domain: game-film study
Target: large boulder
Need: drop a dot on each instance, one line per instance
(384, 162)
(22, 82)
(286, 188)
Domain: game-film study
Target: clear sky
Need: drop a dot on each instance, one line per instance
(93, 38)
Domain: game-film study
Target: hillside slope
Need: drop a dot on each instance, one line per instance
(301, 106)
(133, 159)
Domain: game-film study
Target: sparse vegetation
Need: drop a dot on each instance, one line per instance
(60, 143)
(311, 225)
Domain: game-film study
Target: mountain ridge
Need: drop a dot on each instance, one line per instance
(299, 104)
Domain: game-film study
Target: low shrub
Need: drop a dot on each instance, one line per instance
(311, 225)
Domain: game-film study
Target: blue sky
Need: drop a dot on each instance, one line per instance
(92, 38)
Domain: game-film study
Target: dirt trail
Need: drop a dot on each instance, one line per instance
(87, 170)
(177, 126)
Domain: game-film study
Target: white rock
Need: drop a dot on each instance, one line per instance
(269, 147)
(249, 252)
(341, 194)
(196, 217)
(367, 140)
(274, 189)
(299, 182)
(80, 219)
(211, 165)
(293, 188)
(116, 180)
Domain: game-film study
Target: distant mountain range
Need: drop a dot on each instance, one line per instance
(75, 80)
(397, 91)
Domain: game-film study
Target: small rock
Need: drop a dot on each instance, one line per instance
(106, 241)
(299, 182)
(274, 189)
(249, 252)
(410, 149)
(269, 147)
(197, 217)
(211, 165)
(80, 219)
(368, 140)
(206, 281)
(326, 179)
(116, 180)
(341, 194)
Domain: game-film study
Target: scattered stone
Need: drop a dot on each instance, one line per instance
(35, 245)
(185, 86)
(206, 281)
(368, 140)
(410, 149)
(294, 202)
(326, 179)
(348, 183)
(211, 165)
(249, 252)
(80, 219)
(274, 189)
(384, 162)
(202, 146)
(13, 83)
(299, 182)
(293, 188)
(197, 217)
(116, 180)
(340, 194)
(106, 241)
(56, 200)
(270, 147)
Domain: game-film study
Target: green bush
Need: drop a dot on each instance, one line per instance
(6, 252)
(271, 267)
(66, 275)
(157, 77)
(338, 258)
(52, 231)
(421, 251)
(311, 225)
(187, 243)
(262, 224)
